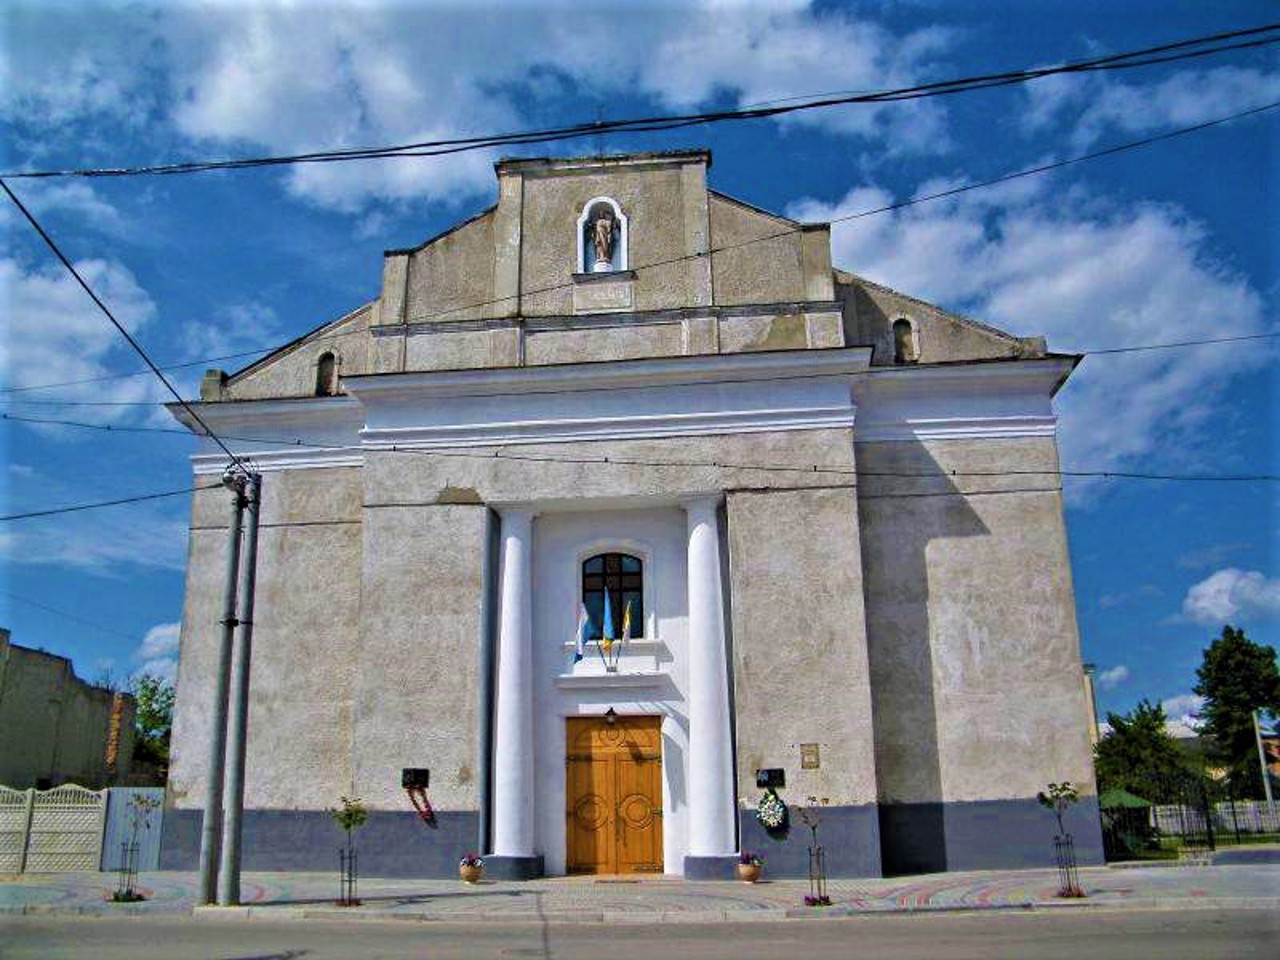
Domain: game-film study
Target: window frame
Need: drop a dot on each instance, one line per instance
(646, 629)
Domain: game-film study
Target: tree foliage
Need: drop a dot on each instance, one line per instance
(154, 720)
(1236, 678)
(1138, 753)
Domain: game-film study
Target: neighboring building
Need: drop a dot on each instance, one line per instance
(55, 728)
(833, 511)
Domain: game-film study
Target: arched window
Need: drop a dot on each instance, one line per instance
(621, 577)
(905, 348)
(602, 237)
(326, 375)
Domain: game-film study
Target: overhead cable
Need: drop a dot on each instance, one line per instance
(503, 453)
(106, 311)
(1043, 168)
(1164, 53)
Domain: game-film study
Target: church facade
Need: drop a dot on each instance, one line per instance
(618, 503)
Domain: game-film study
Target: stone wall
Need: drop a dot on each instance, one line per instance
(54, 727)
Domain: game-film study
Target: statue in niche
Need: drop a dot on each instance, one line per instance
(604, 228)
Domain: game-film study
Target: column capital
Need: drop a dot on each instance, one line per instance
(703, 503)
(520, 513)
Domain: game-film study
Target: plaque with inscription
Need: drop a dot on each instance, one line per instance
(809, 756)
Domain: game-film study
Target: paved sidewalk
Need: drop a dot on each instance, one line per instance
(588, 899)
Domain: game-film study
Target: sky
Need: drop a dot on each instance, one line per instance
(1172, 242)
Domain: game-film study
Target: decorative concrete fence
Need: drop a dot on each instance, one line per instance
(49, 831)
(73, 828)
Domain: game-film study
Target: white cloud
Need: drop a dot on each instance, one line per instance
(1067, 264)
(1182, 715)
(279, 77)
(58, 334)
(158, 652)
(1232, 595)
(1112, 678)
(1097, 103)
(106, 543)
(86, 206)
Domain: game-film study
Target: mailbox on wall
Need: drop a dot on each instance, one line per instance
(415, 777)
(771, 779)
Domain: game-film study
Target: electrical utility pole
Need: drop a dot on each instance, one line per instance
(238, 716)
(1262, 759)
(220, 832)
(209, 832)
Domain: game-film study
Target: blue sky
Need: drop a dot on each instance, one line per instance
(1172, 242)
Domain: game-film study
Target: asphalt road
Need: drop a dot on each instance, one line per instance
(1051, 935)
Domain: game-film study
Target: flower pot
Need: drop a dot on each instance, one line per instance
(749, 872)
(470, 873)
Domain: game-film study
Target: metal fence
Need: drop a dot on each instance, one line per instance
(134, 816)
(1238, 819)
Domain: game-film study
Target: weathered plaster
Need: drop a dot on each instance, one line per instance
(418, 685)
(800, 657)
(975, 658)
(747, 268)
(452, 278)
(292, 372)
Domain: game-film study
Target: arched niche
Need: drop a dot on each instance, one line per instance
(326, 375)
(906, 341)
(587, 261)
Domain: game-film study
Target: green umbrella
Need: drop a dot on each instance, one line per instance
(1118, 798)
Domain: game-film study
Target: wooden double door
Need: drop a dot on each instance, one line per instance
(613, 820)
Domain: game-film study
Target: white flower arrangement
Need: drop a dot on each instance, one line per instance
(771, 811)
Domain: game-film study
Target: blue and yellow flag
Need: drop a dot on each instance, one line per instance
(606, 627)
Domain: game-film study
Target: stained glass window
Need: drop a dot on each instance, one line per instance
(622, 575)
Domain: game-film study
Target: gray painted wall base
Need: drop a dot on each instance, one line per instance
(711, 868)
(391, 844)
(983, 835)
(513, 868)
(850, 838)
(858, 841)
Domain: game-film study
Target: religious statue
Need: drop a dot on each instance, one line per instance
(603, 228)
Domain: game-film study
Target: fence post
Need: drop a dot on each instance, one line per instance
(26, 829)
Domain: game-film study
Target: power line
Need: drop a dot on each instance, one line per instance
(114, 322)
(1043, 168)
(68, 616)
(1184, 343)
(137, 373)
(503, 453)
(1164, 53)
(77, 507)
(789, 231)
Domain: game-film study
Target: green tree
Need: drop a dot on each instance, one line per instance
(154, 720)
(1138, 754)
(1236, 678)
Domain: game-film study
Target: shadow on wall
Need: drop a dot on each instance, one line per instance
(899, 517)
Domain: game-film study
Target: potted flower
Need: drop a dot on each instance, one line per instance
(470, 867)
(749, 866)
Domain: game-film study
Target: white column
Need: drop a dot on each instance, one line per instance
(513, 723)
(711, 827)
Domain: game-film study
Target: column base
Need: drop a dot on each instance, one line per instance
(513, 868)
(711, 868)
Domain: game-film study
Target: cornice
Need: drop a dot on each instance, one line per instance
(613, 375)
